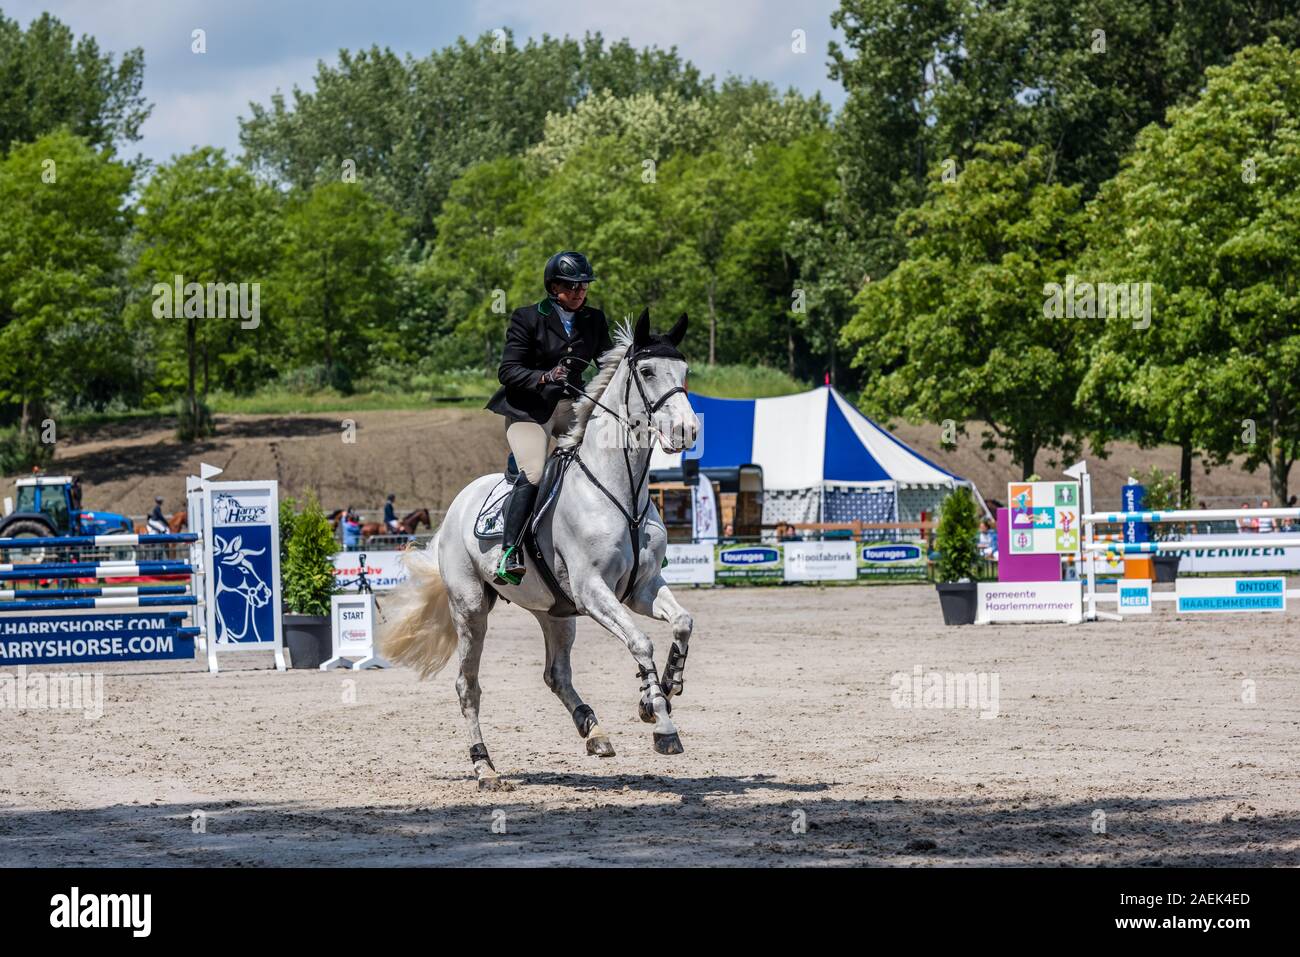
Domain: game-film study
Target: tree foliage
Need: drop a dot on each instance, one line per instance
(49, 81)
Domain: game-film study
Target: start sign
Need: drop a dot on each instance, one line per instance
(352, 619)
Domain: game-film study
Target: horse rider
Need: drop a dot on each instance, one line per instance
(546, 343)
(390, 516)
(157, 521)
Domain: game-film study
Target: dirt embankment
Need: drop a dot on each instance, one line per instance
(426, 457)
(422, 457)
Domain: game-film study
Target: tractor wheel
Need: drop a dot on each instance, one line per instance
(26, 529)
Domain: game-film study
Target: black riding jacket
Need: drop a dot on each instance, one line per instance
(536, 343)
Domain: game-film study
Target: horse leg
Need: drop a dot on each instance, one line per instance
(560, 634)
(656, 600)
(471, 628)
(603, 607)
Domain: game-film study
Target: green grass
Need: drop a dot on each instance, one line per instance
(742, 382)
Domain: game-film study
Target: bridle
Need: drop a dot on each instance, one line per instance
(634, 522)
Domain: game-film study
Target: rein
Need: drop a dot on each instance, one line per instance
(634, 522)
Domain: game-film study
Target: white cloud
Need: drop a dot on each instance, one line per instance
(208, 115)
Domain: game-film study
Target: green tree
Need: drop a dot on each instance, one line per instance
(63, 205)
(411, 126)
(48, 82)
(1206, 210)
(957, 331)
(335, 289)
(205, 221)
(473, 263)
(927, 82)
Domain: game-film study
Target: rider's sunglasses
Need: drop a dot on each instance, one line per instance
(571, 286)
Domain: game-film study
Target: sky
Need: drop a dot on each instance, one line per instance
(255, 48)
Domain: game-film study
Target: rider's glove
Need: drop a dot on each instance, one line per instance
(557, 375)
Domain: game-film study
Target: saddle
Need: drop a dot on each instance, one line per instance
(489, 525)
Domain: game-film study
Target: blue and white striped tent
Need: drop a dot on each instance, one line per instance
(822, 459)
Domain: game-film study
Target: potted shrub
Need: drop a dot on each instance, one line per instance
(307, 543)
(959, 558)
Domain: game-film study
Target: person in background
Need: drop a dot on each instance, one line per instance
(1264, 524)
(157, 521)
(987, 539)
(1244, 523)
(74, 493)
(351, 530)
(390, 516)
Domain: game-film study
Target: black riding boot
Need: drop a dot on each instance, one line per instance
(519, 509)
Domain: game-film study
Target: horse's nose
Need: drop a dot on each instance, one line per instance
(688, 431)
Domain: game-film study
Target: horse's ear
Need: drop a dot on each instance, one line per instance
(678, 332)
(641, 331)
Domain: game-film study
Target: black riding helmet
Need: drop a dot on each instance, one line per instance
(566, 267)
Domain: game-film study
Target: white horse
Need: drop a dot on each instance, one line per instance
(587, 538)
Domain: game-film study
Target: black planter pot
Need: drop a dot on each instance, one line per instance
(309, 640)
(958, 601)
(1166, 567)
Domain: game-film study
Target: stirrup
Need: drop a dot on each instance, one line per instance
(506, 576)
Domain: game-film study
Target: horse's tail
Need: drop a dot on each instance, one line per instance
(417, 630)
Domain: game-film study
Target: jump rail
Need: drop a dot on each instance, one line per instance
(230, 602)
(1154, 548)
(94, 541)
(93, 570)
(1190, 515)
(1099, 544)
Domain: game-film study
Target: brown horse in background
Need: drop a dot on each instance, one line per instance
(407, 525)
(175, 524)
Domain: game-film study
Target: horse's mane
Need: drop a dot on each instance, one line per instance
(583, 407)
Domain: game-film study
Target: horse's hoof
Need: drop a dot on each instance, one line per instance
(668, 743)
(494, 782)
(600, 746)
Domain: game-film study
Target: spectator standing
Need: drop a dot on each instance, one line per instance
(1244, 523)
(1264, 524)
(351, 530)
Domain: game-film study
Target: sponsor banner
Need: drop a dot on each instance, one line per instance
(749, 563)
(1253, 554)
(1230, 594)
(891, 559)
(383, 569)
(821, 561)
(689, 564)
(56, 639)
(1134, 596)
(244, 564)
(1044, 518)
(1029, 601)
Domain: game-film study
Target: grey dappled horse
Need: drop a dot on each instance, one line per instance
(637, 396)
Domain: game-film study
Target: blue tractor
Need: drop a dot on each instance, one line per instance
(44, 509)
